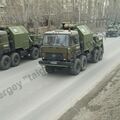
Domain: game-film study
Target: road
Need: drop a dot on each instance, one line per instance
(28, 93)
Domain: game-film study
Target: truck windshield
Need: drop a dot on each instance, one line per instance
(56, 40)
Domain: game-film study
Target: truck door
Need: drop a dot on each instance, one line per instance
(74, 45)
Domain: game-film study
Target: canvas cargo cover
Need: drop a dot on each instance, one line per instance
(84, 30)
(18, 30)
(85, 35)
(20, 36)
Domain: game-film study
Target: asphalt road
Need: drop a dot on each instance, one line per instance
(28, 93)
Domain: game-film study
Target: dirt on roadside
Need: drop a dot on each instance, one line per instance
(102, 103)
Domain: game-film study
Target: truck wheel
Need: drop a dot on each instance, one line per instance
(15, 59)
(49, 69)
(83, 59)
(95, 56)
(76, 68)
(34, 53)
(5, 62)
(100, 53)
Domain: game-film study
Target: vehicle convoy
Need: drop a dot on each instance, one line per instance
(71, 47)
(16, 43)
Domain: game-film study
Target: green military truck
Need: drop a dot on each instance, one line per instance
(70, 47)
(112, 31)
(16, 43)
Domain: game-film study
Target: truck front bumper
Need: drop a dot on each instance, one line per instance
(56, 63)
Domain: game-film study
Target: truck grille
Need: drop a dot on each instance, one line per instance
(54, 56)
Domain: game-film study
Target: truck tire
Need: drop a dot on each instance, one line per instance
(15, 59)
(34, 53)
(100, 53)
(83, 59)
(49, 69)
(95, 56)
(5, 62)
(76, 67)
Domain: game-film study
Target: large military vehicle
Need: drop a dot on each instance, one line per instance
(71, 47)
(16, 43)
(113, 31)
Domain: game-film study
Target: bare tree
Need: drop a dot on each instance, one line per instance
(35, 13)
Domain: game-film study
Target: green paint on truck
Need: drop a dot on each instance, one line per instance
(71, 48)
(16, 43)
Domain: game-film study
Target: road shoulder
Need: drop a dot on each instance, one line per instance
(92, 104)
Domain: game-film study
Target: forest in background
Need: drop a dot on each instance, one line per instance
(34, 13)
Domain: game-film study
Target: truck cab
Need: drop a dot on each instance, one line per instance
(60, 45)
(112, 31)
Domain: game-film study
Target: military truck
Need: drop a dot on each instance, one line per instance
(71, 48)
(16, 43)
(112, 31)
